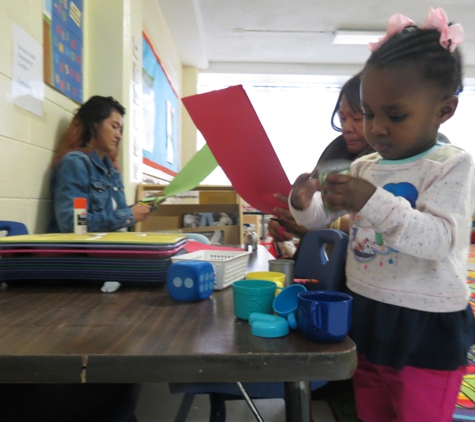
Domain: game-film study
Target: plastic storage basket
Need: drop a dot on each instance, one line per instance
(229, 266)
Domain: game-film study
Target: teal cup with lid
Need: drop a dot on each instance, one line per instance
(252, 296)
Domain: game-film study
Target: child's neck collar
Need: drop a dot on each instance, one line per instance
(410, 159)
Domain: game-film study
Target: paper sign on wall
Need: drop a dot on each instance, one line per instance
(27, 74)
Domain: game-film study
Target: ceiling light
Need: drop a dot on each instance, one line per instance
(357, 37)
(278, 31)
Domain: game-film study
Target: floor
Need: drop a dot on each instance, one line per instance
(158, 405)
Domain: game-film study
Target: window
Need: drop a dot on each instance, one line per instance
(295, 112)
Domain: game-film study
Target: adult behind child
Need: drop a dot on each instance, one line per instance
(351, 144)
(86, 166)
(411, 205)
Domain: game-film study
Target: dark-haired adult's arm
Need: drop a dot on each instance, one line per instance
(141, 211)
(73, 180)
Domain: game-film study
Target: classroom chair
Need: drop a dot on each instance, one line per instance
(220, 392)
(13, 228)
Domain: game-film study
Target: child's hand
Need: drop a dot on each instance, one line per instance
(342, 192)
(303, 190)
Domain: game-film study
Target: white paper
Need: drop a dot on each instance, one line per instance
(75, 14)
(27, 74)
(170, 150)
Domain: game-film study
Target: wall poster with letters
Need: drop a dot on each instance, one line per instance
(62, 44)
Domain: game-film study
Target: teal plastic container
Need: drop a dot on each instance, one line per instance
(268, 326)
(253, 296)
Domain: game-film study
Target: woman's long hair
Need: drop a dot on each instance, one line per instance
(351, 91)
(85, 125)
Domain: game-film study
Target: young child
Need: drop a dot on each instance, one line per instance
(411, 205)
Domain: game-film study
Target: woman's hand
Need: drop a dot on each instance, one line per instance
(287, 228)
(283, 213)
(303, 190)
(342, 192)
(141, 211)
(278, 232)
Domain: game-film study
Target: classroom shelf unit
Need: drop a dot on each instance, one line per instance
(206, 199)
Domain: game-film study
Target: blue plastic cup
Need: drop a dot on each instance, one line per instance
(324, 316)
(252, 296)
(286, 303)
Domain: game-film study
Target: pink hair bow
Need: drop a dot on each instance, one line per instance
(450, 36)
(396, 23)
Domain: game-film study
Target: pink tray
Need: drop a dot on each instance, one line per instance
(101, 253)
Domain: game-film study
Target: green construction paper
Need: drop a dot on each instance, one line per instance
(195, 171)
(155, 200)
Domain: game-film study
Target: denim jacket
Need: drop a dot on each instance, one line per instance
(81, 175)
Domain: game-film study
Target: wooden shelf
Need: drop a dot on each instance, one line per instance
(212, 199)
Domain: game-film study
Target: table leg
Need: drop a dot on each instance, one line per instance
(298, 401)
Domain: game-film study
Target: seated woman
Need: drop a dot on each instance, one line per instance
(85, 166)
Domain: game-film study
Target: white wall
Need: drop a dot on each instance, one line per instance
(27, 141)
(157, 31)
(110, 28)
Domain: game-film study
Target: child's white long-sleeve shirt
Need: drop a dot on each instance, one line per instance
(408, 245)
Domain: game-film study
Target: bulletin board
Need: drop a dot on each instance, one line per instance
(160, 114)
(63, 46)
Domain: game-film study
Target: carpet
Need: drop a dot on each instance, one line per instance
(465, 409)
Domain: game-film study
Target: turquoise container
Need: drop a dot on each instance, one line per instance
(253, 296)
(286, 303)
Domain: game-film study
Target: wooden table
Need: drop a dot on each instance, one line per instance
(80, 335)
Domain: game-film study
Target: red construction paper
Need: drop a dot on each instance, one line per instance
(235, 136)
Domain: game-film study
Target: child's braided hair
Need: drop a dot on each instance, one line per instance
(421, 48)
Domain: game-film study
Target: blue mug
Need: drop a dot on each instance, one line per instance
(285, 303)
(324, 316)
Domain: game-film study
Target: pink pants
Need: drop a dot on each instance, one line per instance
(408, 395)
